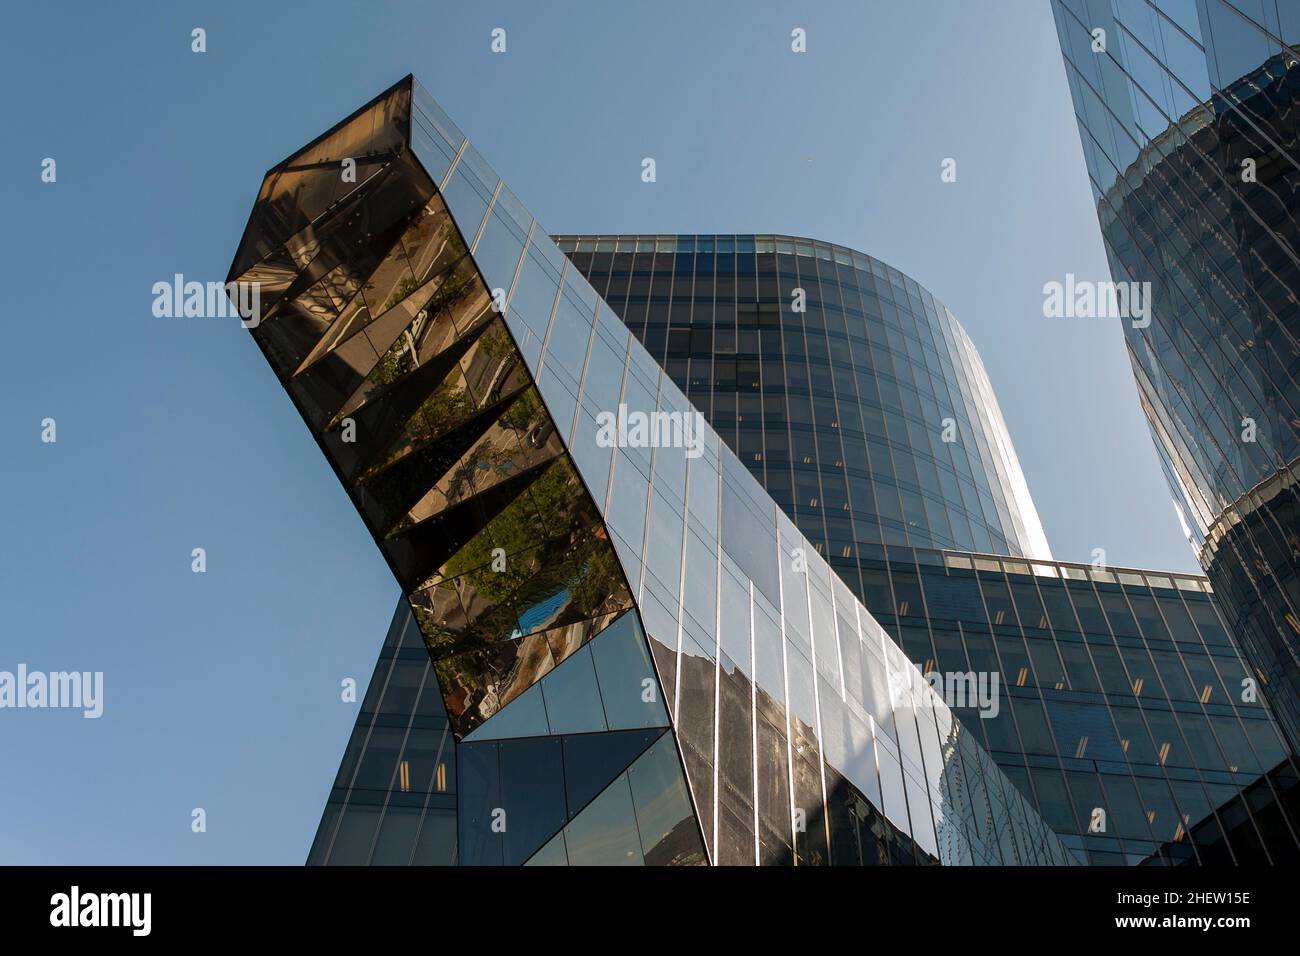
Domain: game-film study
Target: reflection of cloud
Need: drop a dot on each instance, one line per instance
(1182, 523)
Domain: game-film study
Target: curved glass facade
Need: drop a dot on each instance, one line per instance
(847, 389)
(1188, 124)
(1121, 694)
(1121, 755)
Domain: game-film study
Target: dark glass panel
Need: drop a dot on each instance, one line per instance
(532, 793)
(592, 761)
(479, 794)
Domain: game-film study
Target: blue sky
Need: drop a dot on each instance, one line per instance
(222, 689)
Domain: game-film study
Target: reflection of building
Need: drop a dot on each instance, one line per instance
(631, 652)
(1118, 687)
(1188, 123)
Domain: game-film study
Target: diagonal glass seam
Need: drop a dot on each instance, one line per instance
(596, 639)
(495, 408)
(617, 777)
(288, 246)
(402, 527)
(446, 360)
(429, 288)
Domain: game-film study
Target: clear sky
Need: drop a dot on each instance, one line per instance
(222, 689)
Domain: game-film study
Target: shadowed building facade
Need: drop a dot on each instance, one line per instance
(630, 653)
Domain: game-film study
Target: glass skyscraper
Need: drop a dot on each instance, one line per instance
(1120, 690)
(1187, 116)
(846, 388)
(705, 642)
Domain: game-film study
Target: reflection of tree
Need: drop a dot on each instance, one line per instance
(456, 288)
(601, 579)
(496, 343)
(486, 456)
(404, 287)
(524, 413)
(567, 550)
(403, 355)
(454, 240)
(464, 672)
(446, 406)
(555, 545)
(452, 401)
(518, 529)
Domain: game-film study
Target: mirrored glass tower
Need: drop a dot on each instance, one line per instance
(1187, 116)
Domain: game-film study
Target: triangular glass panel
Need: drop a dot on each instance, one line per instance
(520, 439)
(432, 402)
(554, 853)
(592, 761)
(665, 817)
(644, 816)
(303, 186)
(525, 716)
(483, 379)
(629, 688)
(391, 494)
(421, 260)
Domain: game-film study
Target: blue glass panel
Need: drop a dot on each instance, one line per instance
(525, 716)
(573, 696)
(532, 790)
(627, 678)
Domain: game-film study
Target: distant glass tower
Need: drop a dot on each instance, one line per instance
(845, 388)
(1188, 117)
(1119, 713)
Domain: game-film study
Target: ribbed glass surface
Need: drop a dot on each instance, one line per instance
(845, 388)
(1187, 116)
(1119, 691)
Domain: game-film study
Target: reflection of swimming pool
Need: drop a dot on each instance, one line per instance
(541, 612)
